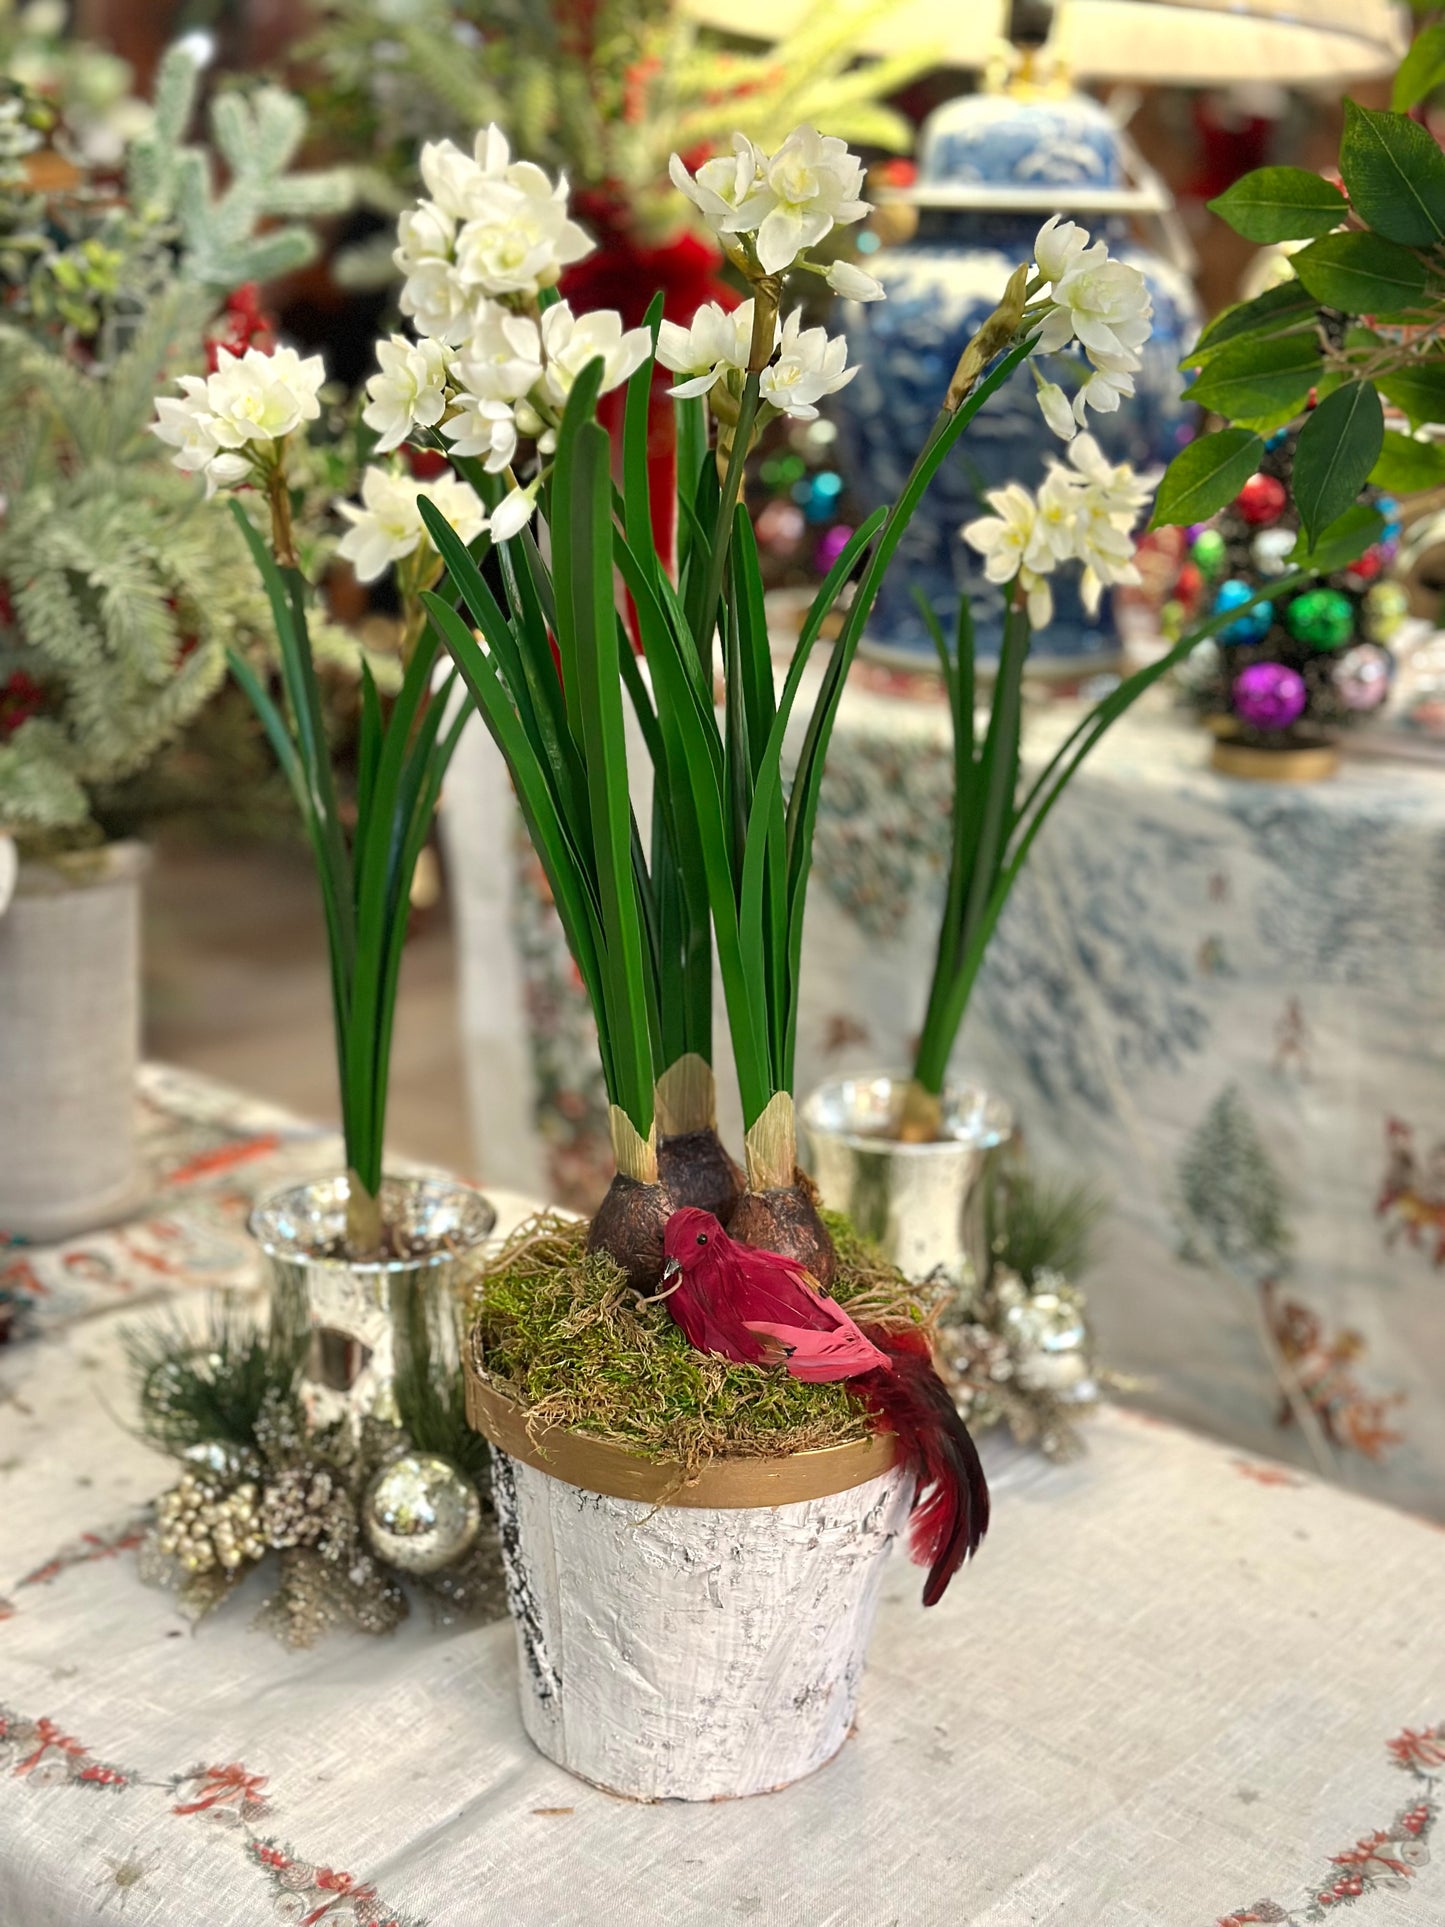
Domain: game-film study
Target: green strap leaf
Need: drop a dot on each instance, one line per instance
(1338, 446)
(1280, 204)
(1205, 476)
(1395, 174)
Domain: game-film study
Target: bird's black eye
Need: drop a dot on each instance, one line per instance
(702, 1237)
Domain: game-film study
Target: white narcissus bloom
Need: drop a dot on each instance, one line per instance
(259, 397)
(438, 304)
(483, 426)
(1060, 245)
(386, 525)
(501, 359)
(715, 342)
(722, 185)
(570, 341)
(1005, 538)
(409, 391)
(811, 183)
(810, 364)
(518, 240)
(217, 426)
(1105, 303)
(1112, 378)
(850, 281)
(423, 233)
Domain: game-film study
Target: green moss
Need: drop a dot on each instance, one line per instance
(559, 1330)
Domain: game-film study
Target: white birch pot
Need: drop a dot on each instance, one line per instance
(693, 1651)
(70, 1045)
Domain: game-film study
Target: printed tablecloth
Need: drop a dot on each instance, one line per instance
(1181, 1686)
(1224, 1001)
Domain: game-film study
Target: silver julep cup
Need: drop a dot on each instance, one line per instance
(918, 1202)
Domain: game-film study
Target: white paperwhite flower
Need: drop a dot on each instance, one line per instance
(1060, 245)
(1004, 539)
(451, 177)
(1054, 406)
(810, 364)
(517, 241)
(1118, 490)
(1111, 379)
(439, 305)
(722, 185)
(715, 341)
(386, 525)
(423, 233)
(501, 360)
(259, 397)
(485, 427)
(217, 425)
(847, 279)
(514, 512)
(1105, 303)
(570, 341)
(811, 183)
(409, 391)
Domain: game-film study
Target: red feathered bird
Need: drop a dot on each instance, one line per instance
(761, 1309)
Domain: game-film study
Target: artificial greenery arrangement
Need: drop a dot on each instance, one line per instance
(1353, 326)
(122, 592)
(1016, 1348)
(354, 1516)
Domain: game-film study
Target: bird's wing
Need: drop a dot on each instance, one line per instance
(819, 1357)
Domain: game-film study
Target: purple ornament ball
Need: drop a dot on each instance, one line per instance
(831, 544)
(1268, 695)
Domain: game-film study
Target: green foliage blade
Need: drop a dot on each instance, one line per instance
(1337, 447)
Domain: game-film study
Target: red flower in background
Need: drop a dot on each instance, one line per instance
(243, 323)
(21, 697)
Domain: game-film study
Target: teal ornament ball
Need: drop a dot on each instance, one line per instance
(1253, 625)
(1386, 607)
(1324, 618)
(1208, 553)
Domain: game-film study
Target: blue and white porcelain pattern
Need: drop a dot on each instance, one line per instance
(941, 285)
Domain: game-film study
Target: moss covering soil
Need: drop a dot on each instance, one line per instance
(558, 1330)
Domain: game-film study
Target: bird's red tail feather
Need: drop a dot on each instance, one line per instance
(950, 1506)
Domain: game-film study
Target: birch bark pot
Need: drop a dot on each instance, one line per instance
(361, 1322)
(70, 1044)
(688, 1641)
(915, 1201)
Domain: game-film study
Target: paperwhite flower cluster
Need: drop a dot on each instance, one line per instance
(808, 362)
(386, 526)
(1084, 514)
(227, 426)
(767, 210)
(1102, 304)
(489, 367)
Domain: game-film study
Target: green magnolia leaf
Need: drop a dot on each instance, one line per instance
(1363, 274)
(1206, 475)
(1341, 543)
(1418, 389)
(1337, 448)
(1250, 380)
(1395, 174)
(1281, 204)
(1421, 71)
(1406, 466)
(1279, 310)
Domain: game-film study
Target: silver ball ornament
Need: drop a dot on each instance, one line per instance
(1270, 550)
(420, 1513)
(1362, 676)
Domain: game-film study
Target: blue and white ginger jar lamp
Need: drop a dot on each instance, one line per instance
(992, 168)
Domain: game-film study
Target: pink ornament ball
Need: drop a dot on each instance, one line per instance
(1268, 695)
(1262, 500)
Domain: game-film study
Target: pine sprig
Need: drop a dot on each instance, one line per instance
(197, 1391)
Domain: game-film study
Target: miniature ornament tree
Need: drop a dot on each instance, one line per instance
(1286, 675)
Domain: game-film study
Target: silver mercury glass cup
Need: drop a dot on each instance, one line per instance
(918, 1202)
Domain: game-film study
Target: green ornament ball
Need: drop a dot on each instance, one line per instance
(1324, 618)
(1208, 553)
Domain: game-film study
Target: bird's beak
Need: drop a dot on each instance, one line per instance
(670, 1270)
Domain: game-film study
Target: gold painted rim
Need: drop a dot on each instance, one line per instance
(598, 1465)
(1308, 765)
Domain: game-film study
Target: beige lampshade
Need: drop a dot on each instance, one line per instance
(1206, 42)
